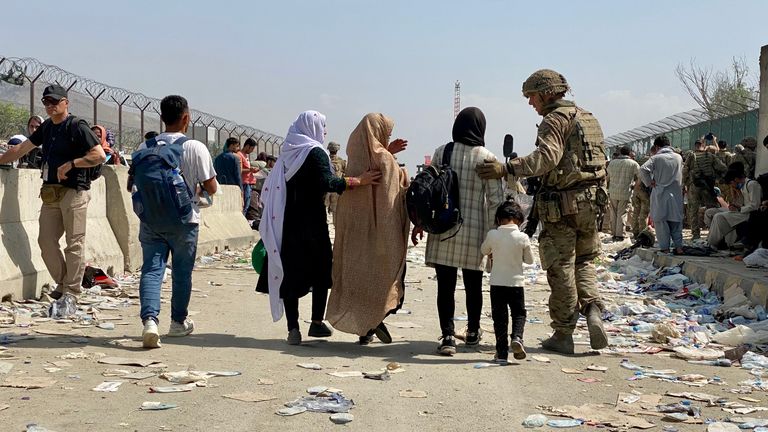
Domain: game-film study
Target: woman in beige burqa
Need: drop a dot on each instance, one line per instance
(371, 236)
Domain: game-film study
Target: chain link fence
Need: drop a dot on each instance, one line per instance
(128, 114)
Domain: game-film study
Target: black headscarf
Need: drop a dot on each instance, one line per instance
(469, 127)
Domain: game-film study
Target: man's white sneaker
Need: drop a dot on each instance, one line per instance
(150, 336)
(181, 329)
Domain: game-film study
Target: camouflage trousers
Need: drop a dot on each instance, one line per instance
(641, 207)
(697, 198)
(566, 250)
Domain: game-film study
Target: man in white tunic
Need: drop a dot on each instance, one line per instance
(663, 172)
(722, 232)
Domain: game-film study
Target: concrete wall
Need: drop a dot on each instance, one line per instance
(22, 271)
(111, 233)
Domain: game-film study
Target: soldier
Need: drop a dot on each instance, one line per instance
(570, 158)
(339, 166)
(747, 155)
(700, 172)
(641, 204)
(726, 157)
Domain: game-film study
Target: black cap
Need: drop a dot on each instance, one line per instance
(55, 91)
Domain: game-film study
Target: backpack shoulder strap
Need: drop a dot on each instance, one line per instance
(447, 153)
(181, 141)
(150, 143)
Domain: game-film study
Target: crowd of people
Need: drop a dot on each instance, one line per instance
(289, 199)
(707, 188)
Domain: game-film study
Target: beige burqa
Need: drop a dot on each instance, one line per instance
(371, 234)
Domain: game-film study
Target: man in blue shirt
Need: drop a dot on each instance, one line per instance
(227, 164)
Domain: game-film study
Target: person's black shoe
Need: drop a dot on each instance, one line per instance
(448, 346)
(473, 338)
(382, 333)
(55, 294)
(518, 350)
(368, 338)
(319, 330)
(501, 358)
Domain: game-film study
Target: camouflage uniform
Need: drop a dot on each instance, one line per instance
(339, 166)
(726, 158)
(641, 207)
(747, 156)
(701, 170)
(568, 209)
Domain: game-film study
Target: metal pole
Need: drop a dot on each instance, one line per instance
(208, 126)
(142, 115)
(193, 126)
(161, 120)
(120, 120)
(32, 92)
(95, 104)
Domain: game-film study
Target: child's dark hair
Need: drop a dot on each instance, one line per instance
(509, 210)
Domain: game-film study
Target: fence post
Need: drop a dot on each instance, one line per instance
(120, 120)
(32, 91)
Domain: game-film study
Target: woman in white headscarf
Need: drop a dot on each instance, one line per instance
(294, 228)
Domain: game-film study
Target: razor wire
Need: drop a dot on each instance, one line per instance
(32, 70)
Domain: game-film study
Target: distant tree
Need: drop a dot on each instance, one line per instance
(720, 93)
(13, 120)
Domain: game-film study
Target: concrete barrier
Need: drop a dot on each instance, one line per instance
(22, 271)
(223, 225)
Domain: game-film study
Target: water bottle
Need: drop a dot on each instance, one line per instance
(642, 328)
(181, 189)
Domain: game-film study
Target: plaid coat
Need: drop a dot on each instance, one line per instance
(478, 201)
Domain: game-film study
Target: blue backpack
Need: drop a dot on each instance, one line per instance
(159, 193)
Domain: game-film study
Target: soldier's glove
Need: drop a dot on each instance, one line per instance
(530, 227)
(489, 170)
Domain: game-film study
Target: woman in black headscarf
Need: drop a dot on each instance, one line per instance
(478, 201)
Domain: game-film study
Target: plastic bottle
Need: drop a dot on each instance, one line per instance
(181, 188)
(642, 328)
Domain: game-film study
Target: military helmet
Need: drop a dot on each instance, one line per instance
(545, 81)
(749, 142)
(333, 146)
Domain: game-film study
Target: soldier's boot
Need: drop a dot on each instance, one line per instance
(598, 339)
(559, 342)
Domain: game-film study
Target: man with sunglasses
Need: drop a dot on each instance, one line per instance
(69, 147)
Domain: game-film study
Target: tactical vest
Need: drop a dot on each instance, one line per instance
(703, 165)
(339, 166)
(583, 162)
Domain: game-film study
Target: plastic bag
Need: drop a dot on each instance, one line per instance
(758, 258)
(64, 307)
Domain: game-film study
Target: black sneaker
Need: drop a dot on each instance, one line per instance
(382, 333)
(518, 350)
(448, 346)
(501, 358)
(319, 330)
(473, 338)
(368, 338)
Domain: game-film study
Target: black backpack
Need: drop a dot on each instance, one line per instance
(432, 199)
(92, 173)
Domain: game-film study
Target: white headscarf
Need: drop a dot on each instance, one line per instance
(305, 134)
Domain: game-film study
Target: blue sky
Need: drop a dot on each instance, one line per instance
(261, 63)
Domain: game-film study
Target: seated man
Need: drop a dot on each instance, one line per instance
(722, 232)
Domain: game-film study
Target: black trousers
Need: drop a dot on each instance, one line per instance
(446, 303)
(319, 298)
(507, 301)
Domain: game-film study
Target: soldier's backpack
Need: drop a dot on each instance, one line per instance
(160, 195)
(432, 198)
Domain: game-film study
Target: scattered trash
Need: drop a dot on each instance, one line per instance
(5, 367)
(249, 397)
(403, 324)
(106, 326)
(597, 368)
(535, 421)
(589, 380)
(722, 427)
(264, 381)
(333, 403)
(108, 386)
(35, 428)
(312, 366)
(418, 394)
(64, 307)
(157, 406)
(342, 418)
(173, 389)
(379, 376)
(541, 358)
(27, 382)
(564, 423)
(571, 371)
(291, 411)
(138, 376)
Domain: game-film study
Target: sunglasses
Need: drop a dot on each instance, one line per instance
(50, 101)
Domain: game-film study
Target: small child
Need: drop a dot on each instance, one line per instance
(508, 248)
